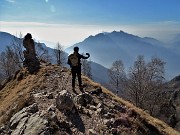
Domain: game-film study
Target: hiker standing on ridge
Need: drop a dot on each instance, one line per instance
(74, 60)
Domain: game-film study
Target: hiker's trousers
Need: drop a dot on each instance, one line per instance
(76, 71)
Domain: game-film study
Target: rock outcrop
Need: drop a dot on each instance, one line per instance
(28, 121)
(31, 61)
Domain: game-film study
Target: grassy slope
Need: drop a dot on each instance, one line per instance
(16, 94)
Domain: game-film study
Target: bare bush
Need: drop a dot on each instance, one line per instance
(8, 63)
(59, 54)
(117, 76)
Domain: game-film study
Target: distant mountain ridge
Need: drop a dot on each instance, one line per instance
(5, 39)
(99, 72)
(105, 48)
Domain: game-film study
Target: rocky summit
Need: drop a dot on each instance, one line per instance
(43, 103)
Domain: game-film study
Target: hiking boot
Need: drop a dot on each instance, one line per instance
(82, 86)
(81, 89)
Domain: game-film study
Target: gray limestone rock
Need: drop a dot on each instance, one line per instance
(64, 101)
(84, 99)
(35, 125)
(28, 122)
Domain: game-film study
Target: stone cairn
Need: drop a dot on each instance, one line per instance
(31, 61)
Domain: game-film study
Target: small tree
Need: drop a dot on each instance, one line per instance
(12, 58)
(145, 83)
(59, 54)
(117, 75)
(8, 62)
(156, 73)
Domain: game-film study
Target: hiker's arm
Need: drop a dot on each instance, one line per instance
(85, 57)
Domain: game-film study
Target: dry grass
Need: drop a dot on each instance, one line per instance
(16, 94)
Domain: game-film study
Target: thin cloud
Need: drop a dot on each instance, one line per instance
(69, 34)
(170, 22)
(11, 1)
(24, 24)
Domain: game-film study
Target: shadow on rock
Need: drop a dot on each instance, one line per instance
(76, 120)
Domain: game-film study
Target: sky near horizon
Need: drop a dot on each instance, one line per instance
(71, 21)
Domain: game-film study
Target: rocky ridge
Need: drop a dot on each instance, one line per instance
(44, 104)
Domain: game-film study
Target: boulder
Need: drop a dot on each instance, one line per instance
(32, 108)
(64, 101)
(84, 99)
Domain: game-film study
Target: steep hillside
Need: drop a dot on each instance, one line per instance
(44, 103)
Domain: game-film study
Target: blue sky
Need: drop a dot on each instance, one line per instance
(70, 21)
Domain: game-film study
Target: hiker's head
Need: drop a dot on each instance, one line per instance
(28, 36)
(76, 49)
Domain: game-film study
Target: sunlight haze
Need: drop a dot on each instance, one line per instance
(69, 22)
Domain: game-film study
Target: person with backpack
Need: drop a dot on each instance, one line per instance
(74, 60)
